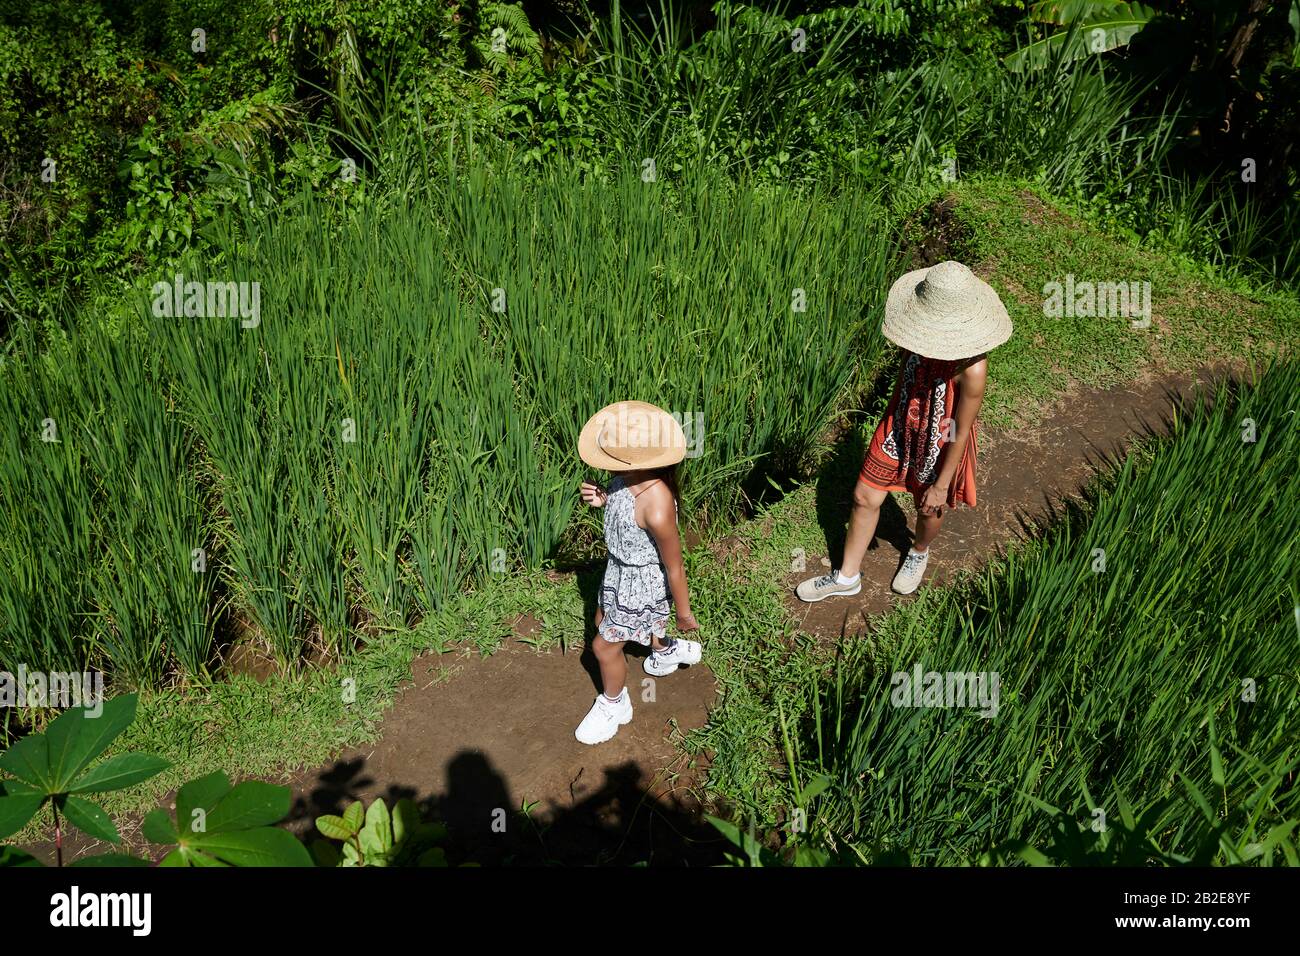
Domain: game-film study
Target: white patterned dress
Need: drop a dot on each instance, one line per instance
(634, 595)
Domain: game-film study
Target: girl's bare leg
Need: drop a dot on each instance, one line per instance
(862, 527)
(613, 665)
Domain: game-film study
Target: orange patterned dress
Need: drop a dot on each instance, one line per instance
(905, 450)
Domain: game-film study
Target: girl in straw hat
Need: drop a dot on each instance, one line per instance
(945, 319)
(641, 445)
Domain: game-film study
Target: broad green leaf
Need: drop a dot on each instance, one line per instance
(115, 773)
(76, 739)
(355, 815)
(12, 856)
(90, 819)
(334, 827)
(18, 804)
(264, 846)
(250, 804)
(1064, 12)
(371, 845)
(29, 761)
(325, 853)
(406, 820)
(380, 825)
(158, 827)
(202, 793)
(1084, 39)
(198, 858)
(433, 831)
(376, 857)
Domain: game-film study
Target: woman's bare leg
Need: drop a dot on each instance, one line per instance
(862, 527)
(927, 528)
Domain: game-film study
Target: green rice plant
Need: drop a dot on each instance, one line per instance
(1130, 643)
(1129, 838)
(104, 509)
(401, 420)
(696, 305)
(242, 412)
(46, 516)
(152, 592)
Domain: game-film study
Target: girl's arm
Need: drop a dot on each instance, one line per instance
(973, 380)
(661, 521)
(593, 494)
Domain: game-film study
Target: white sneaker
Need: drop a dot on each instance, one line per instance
(604, 718)
(682, 652)
(828, 585)
(908, 578)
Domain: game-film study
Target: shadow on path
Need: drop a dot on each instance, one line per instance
(618, 823)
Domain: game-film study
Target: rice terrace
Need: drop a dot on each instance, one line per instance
(451, 433)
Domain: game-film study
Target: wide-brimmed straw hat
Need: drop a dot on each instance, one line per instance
(628, 436)
(945, 312)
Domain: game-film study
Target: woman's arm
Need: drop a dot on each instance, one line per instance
(661, 521)
(971, 384)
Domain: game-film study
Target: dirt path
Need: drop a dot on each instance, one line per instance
(1020, 478)
(497, 732)
(472, 740)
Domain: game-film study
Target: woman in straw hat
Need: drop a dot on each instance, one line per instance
(642, 445)
(945, 319)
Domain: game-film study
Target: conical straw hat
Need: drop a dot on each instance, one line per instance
(945, 312)
(627, 436)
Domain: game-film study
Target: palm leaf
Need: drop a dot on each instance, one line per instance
(1114, 29)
